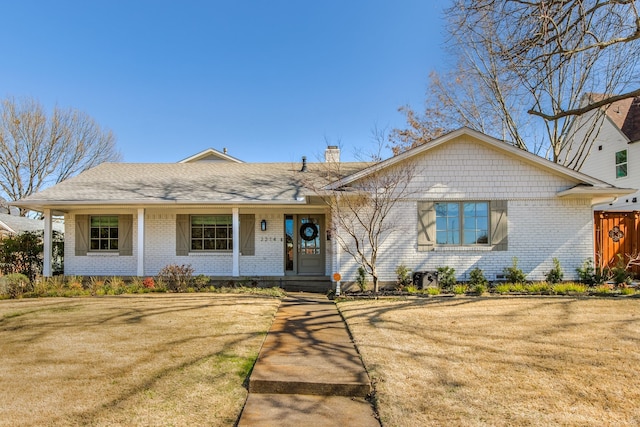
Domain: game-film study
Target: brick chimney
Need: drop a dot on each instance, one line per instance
(332, 154)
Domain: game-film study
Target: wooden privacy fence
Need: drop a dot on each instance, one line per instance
(616, 234)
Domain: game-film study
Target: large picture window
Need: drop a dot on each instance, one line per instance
(211, 233)
(103, 231)
(462, 223)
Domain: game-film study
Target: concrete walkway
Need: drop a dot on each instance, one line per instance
(308, 371)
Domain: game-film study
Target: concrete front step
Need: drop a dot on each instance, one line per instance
(289, 410)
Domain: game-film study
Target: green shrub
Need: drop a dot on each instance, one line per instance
(502, 288)
(517, 287)
(361, 279)
(627, 291)
(446, 277)
(602, 290)
(432, 291)
(22, 253)
(403, 276)
(587, 273)
(476, 277)
(556, 274)
(412, 289)
(201, 281)
(538, 288)
(14, 285)
(176, 277)
(459, 289)
(569, 288)
(513, 274)
(479, 288)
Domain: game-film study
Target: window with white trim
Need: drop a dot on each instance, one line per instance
(211, 233)
(621, 164)
(103, 232)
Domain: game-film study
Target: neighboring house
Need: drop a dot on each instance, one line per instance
(614, 154)
(475, 202)
(15, 224)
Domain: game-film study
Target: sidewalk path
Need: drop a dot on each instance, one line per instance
(308, 371)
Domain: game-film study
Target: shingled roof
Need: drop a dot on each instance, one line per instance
(625, 114)
(186, 183)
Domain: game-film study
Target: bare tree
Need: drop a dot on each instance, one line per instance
(539, 57)
(536, 37)
(39, 149)
(362, 210)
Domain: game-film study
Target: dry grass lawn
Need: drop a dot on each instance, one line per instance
(130, 360)
(501, 361)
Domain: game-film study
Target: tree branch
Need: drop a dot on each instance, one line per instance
(589, 107)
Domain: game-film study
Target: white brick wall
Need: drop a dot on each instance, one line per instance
(541, 226)
(98, 264)
(160, 247)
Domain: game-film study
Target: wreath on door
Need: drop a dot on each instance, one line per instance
(309, 231)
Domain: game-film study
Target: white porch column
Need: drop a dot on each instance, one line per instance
(48, 244)
(140, 271)
(236, 242)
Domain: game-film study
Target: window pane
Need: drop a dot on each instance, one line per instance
(621, 157)
(475, 223)
(621, 171)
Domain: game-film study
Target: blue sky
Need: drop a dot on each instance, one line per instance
(269, 80)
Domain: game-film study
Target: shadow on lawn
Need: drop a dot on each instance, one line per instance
(127, 342)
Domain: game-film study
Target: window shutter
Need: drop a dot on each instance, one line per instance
(182, 235)
(82, 235)
(247, 234)
(426, 226)
(499, 225)
(125, 235)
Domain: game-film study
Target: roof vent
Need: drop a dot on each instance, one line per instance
(304, 164)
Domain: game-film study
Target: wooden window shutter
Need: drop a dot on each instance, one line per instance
(499, 225)
(248, 234)
(183, 235)
(125, 235)
(426, 226)
(82, 235)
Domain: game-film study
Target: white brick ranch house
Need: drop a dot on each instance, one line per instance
(475, 202)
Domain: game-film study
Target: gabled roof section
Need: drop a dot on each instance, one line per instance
(15, 224)
(211, 155)
(582, 181)
(625, 115)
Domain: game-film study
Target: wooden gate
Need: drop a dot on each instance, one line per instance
(616, 235)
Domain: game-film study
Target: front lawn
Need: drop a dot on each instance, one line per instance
(501, 361)
(163, 359)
